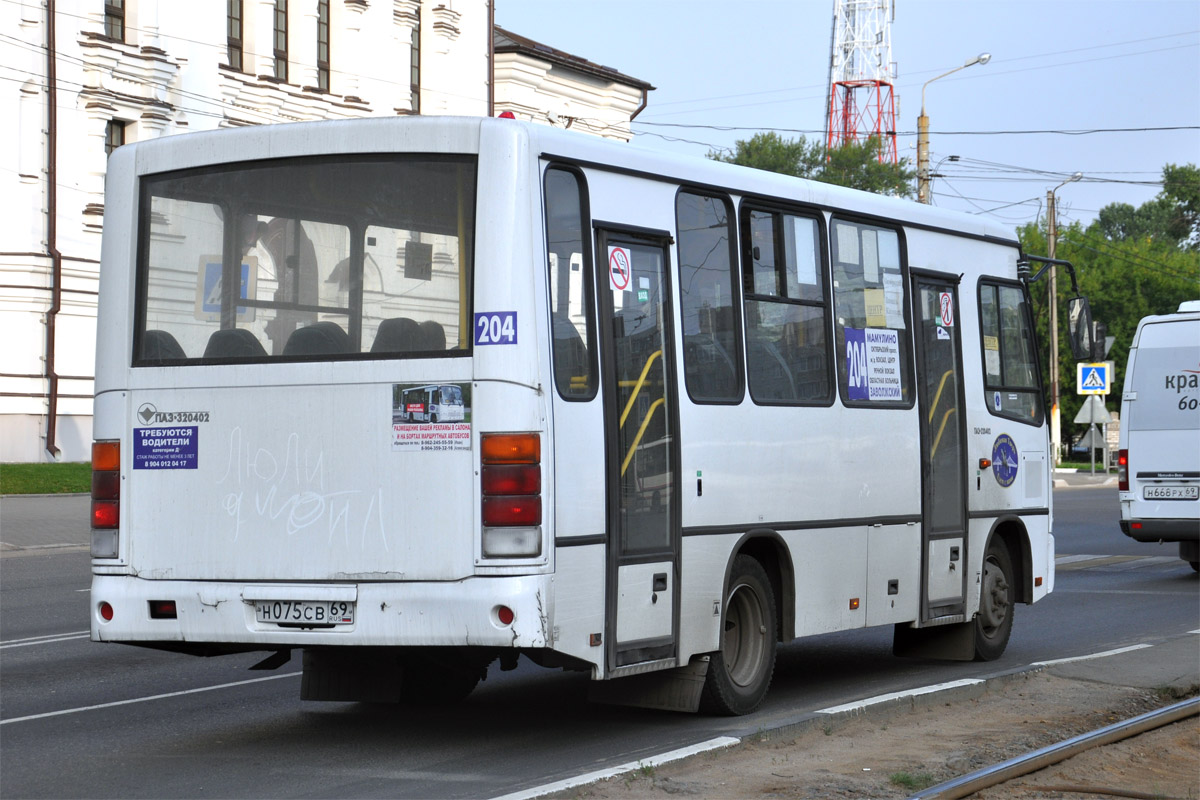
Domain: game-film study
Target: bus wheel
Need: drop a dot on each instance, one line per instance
(740, 672)
(993, 624)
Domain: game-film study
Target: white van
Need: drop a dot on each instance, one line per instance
(1159, 456)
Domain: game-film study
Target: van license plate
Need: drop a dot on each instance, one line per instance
(1171, 492)
(304, 613)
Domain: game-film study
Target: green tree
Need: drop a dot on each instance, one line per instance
(855, 164)
(1131, 263)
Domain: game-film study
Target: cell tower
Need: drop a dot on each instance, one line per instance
(861, 101)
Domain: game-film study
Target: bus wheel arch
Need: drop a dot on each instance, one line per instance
(740, 670)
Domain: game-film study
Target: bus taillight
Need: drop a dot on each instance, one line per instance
(106, 498)
(1123, 470)
(511, 484)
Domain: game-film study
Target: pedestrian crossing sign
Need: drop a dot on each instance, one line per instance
(1093, 378)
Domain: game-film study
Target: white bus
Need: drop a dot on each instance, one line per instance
(431, 403)
(712, 409)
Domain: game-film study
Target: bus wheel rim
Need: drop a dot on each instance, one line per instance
(745, 636)
(993, 606)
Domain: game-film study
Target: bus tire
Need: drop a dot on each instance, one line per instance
(997, 595)
(739, 674)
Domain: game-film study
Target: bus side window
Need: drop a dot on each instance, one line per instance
(870, 296)
(787, 306)
(569, 263)
(1012, 386)
(712, 358)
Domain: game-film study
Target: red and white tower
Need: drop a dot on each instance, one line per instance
(861, 101)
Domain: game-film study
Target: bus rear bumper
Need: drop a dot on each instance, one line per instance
(451, 613)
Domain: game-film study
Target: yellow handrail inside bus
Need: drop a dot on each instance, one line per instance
(642, 430)
(637, 388)
(938, 396)
(938, 438)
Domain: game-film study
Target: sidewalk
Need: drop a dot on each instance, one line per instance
(1069, 479)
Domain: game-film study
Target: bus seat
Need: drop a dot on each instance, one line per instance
(160, 346)
(234, 343)
(433, 336)
(318, 339)
(397, 335)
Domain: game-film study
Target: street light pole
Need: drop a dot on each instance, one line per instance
(1051, 249)
(923, 130)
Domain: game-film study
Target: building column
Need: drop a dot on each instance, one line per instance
(262, 49)
(349, 50)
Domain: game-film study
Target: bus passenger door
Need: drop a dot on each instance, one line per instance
(641, 444)
(943, 457)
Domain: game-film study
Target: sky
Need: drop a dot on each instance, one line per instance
(726, 69)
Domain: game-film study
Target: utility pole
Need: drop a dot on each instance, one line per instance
(1055, 419)
(1051, 248)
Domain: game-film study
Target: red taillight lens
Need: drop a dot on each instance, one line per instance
(106, 484)
(509, 510)
(511, 479)
(106, 612)
(1123, 470)
(105, 514)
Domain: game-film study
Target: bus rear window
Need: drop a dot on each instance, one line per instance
(306, 259)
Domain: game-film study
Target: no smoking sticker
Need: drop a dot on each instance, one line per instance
(619, 269)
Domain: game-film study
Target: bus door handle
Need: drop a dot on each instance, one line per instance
(660, 582)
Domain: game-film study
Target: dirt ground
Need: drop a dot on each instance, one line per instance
(885, 753)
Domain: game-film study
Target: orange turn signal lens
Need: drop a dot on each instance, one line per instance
(510, 448)
(106, 456)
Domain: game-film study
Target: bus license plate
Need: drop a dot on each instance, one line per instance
(1171, 492)
(304, 613)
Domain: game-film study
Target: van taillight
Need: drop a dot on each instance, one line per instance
(1123, 470)
(511, 485)
(106, 498)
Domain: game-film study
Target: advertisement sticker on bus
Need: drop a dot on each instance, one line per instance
(873, 364)
(166, 448)
(431, 417)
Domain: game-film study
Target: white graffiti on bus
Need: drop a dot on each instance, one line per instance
(264, 491)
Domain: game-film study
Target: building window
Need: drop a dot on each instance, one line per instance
(281, 40)
(323, 45)
(114, 135)
(114, 19)
(233, 34)
(415, 65)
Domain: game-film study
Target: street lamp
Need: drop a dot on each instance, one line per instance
(923, 130)
(1051, 247)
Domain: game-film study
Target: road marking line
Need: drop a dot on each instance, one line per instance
(599, 775)
(146, 699)
(62, 638)
(883, 698)
(44, 636)
(1118, 651)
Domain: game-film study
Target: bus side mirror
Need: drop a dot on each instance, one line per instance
(1079, 325)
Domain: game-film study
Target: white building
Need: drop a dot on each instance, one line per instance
(81, 77)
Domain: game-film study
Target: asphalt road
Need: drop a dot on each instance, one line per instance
(79, 719)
